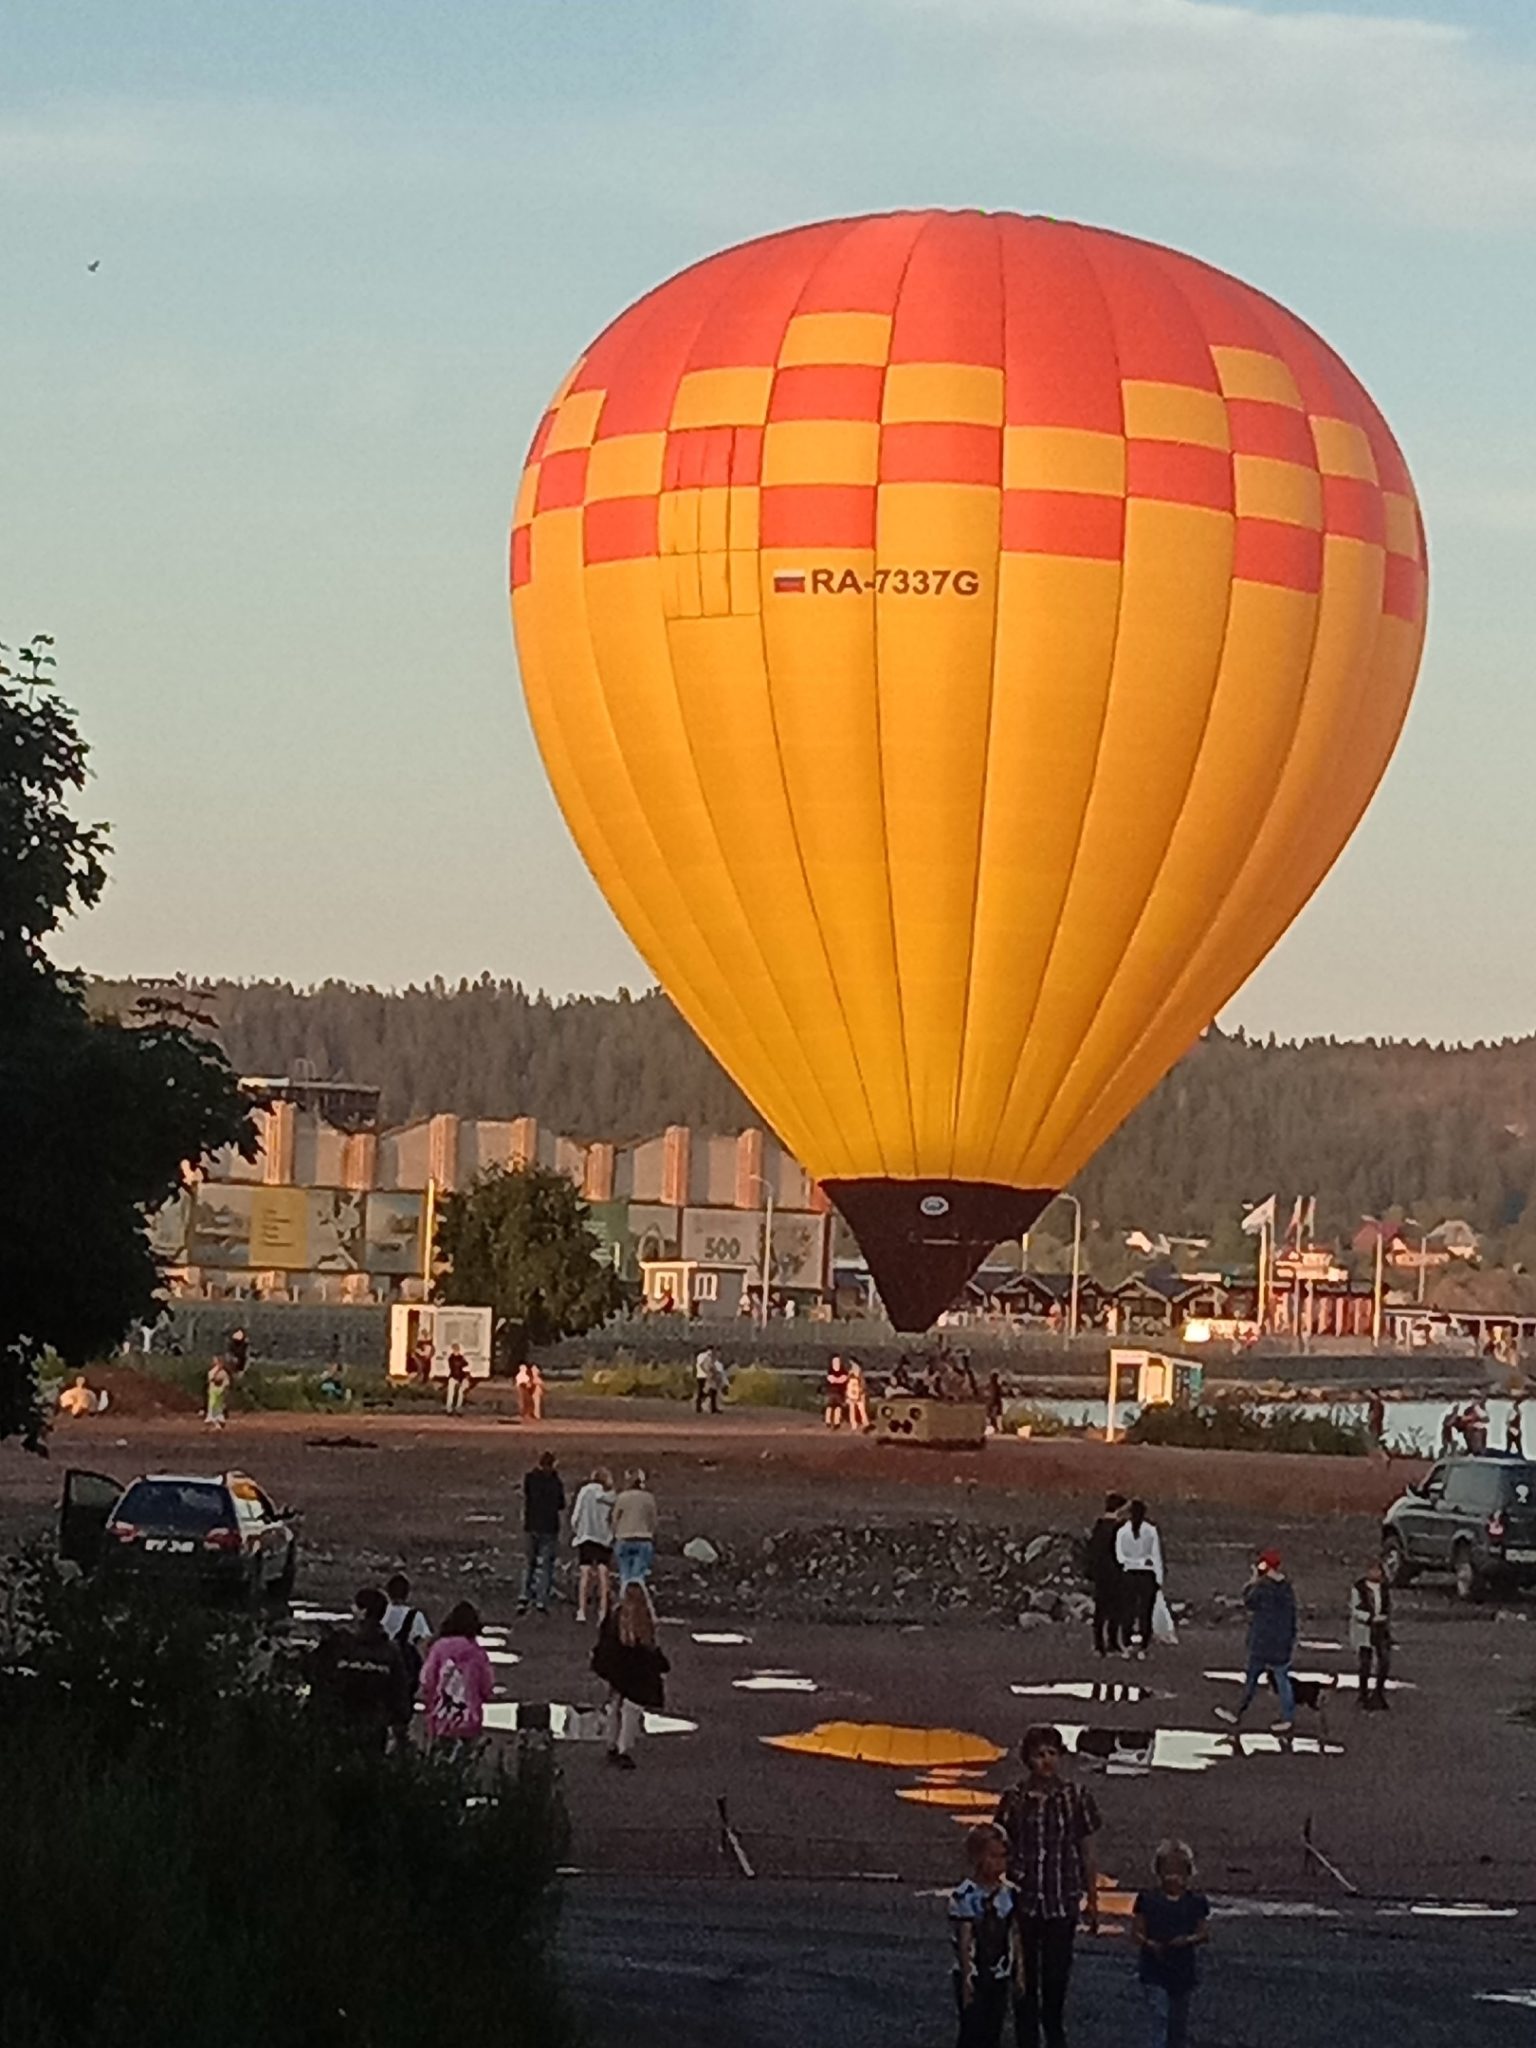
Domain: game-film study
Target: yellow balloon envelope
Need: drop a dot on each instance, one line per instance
(960, 644)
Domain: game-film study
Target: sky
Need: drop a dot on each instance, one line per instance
(257, 467)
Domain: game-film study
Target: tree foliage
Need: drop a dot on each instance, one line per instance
(517, 1240)
(99, 1114)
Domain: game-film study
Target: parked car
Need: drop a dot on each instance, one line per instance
(221, 1533)
(1474, 1517)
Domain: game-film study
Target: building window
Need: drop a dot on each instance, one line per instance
(706, 1286)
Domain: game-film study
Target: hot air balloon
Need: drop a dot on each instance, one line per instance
(960, 644)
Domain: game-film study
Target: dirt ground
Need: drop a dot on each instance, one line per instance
(1431, 1803)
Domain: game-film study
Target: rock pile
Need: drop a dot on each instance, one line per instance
(889, 1572)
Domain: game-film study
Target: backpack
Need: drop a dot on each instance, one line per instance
(410, 1655)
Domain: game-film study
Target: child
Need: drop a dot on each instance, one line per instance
(1168, 1925)
(985, 1930)
(1370, 1634)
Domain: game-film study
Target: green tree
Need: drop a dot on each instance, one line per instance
(517, 1241)
(99, 1114)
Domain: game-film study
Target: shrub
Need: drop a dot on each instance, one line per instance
(1233, 1426)
(645, 1379)
(761, 1386)
(1039, 1421)
(191, 1855)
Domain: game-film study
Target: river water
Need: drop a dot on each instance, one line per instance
(1410, 1425)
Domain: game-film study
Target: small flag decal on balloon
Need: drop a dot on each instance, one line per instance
(787, 582)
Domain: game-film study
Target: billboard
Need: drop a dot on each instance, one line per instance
(734, 1237)
(240, 1226)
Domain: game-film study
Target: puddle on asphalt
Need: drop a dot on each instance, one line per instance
(1127, 1752)
(723, 1639)
(1329, 1681)
(775, 1681)
(898, 1748)
(1451, 1909)
(1100, 1692)
(570, 1724)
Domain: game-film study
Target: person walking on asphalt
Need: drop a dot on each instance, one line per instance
(1270, 1600)
(360, 1678)
(985, 1933)
(1169, 1925)
(632, 1664)
(543, 1505)
(1370, 1635)
(835, 1393)
(1050, 1824)
(1139, 1554)
(1106, 1578)
(634, 1529)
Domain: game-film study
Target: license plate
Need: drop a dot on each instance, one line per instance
(1520, 1557)
(173, 1543)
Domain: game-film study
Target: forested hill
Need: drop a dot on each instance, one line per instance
(1428, 1131)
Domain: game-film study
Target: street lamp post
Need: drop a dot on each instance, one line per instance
(766, 1273)
(1077, 1261)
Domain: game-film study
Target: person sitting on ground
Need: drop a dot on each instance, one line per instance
(1270, 1600)
(406, 1625)
(78, 1399)
(457, 1679)
(632, 1664)
(360, 1678)
(1370, 1634)
(1169, 1926)
(592, 1534)
(333, 1381)
(901, 1378)
(984, 1928)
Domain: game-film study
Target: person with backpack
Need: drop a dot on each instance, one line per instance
(457, 1679)
(406, 1626)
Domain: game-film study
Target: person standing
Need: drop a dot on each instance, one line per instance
(1449, 1423)
(994, 1405)
(1106, 1578)
(422, 1359)
(592, 1534)
(1474, 1426)
(529, 1382)
(360, 1677)
(215, 1412)
(1169, 1926)
(1376, 1418)
(1514, 1428)
(1270, 1600)
(1139, 1554)
(984, 1929)
(634, 1530)
(856, 1398)
(543, 1505)
(239, 1352)
(457, 1679)
(630, 1661)
(706, 1381)
(836, 1396)
(406, 1625)
(1370, 1635)
(458, 1381)
(1049, 1824)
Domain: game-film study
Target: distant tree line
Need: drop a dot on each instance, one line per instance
(1372, 1128)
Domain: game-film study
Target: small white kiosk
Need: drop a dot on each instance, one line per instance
(412, 1323)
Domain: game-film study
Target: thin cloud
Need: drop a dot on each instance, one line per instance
(1414, 117)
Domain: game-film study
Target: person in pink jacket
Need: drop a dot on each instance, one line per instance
(457, 1679)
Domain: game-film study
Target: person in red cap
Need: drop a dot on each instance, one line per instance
(1270, 1600)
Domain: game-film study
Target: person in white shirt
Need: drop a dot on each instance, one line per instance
(1139, 1553)
(592, 1534)
(706, 1381)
